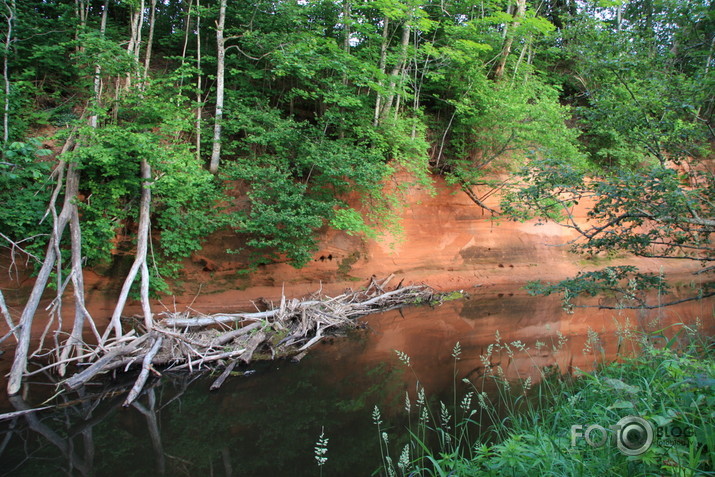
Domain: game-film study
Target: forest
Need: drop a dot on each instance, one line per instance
(137, 128)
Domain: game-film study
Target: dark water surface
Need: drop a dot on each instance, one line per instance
(266, 423)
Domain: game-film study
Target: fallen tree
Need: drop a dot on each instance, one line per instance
(181, 341)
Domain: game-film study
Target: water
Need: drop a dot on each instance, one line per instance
(266, 423)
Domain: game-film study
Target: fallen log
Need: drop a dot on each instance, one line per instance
(180, 342)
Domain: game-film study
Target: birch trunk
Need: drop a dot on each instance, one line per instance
(221, 57)
(149, 41)
(199, 99)
(134, 46)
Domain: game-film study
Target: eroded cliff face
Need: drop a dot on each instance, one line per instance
(448, 242)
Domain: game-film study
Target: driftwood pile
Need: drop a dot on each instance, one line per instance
(184, 342)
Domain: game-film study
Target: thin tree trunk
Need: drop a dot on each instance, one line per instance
(75, 341)
(136, 22)
(346, 39)
(183, 57)
(522, 53)
(139, 261)
(81, 11)
(509, 38)
(186, 40)
(149, 41)
(8, 319)
(199, 98)
(221, 57)
(707, 71)
(383, 64)
(93, 119)
(11, 9)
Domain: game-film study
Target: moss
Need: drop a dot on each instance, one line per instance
(455, 295)
(346, 264)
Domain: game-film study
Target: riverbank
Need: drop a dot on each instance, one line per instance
(447, 243)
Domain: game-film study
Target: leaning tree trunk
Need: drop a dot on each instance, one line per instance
(136, 22)
(139, 261)
(220, 70)
(75, 342)
(19, 364)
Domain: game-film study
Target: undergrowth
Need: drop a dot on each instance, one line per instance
(539, 424)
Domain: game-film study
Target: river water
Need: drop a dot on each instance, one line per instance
(266, 421)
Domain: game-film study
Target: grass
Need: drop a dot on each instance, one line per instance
(665, 377)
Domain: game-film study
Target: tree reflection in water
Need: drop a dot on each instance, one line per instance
(267, 423)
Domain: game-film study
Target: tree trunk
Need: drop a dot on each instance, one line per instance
(509, 38)
(705, 75)
(398, 70)
(8, 319)
(136, 22)
(149, 41)
(186, 40)
(80, 311)
(98, 70)
(19, 364)
(139, 261)
(11, 9)
(221, 56)
(199, 98)
(383, 64)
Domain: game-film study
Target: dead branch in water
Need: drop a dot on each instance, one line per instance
(181, 342)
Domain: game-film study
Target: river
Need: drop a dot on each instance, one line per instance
(265, 420)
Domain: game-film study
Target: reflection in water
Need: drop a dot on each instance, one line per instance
(267, 423)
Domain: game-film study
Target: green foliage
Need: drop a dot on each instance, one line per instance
(302, 132)
(653, 212)
(296, 180)
(624, 284)
(528, 426)
(498, 127)
(24, 193)
(643, 96)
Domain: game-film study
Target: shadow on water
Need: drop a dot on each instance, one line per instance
(266, 422)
